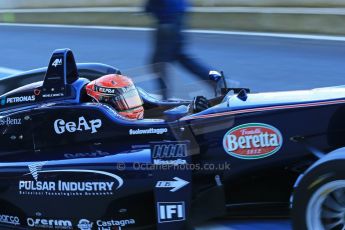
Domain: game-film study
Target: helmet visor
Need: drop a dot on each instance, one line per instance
(129, 98)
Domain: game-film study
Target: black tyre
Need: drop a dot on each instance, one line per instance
(319, 199)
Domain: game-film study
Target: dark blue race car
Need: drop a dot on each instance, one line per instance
(70, 163)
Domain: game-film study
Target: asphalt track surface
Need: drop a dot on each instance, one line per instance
(260, 63)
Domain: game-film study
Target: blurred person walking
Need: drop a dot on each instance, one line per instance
(169, 40)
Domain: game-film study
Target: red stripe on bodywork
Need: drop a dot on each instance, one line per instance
(313, 104)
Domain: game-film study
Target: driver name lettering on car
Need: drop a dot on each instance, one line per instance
(49, 95)
(61, 126)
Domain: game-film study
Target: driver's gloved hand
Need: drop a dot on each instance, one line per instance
(215, 75)
(219, 81)
(200, 103)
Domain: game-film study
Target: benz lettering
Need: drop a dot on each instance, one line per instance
(10, 121)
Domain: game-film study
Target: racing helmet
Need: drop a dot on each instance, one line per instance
(119, 92)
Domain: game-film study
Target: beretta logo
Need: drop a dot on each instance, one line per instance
(252, 141)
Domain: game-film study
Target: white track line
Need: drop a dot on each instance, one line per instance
(263, 10)
(216, 32)
(76, 26)
(5, 70)
(277, 35)
(77, 10)
(270, 10)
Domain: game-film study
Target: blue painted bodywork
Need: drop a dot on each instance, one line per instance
(56, 130)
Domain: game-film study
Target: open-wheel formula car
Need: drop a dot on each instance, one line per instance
(68, 162)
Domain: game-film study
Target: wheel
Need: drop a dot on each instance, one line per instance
(319, 199)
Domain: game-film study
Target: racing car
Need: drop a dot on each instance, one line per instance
(68, 162)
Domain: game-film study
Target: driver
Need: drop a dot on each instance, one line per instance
(120, 92)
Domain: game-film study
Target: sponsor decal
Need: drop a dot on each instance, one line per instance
(106, 90)
(85, 224)
(109, 224)
(57, 62)
(50, 95)
(11, 100)
(10, 121)
(8, 219)
(61, 126)
(169, 150)
(3, 101)
(169, 162)
(158, 131)
(252, 141)
(169, 154)
(85, 155)
(176, 184)
(37, 92)
(34, 168)
(67, 188)
(49, 223)
(171, 211)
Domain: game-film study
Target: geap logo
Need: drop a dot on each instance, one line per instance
(61, 126)
(252, 141)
